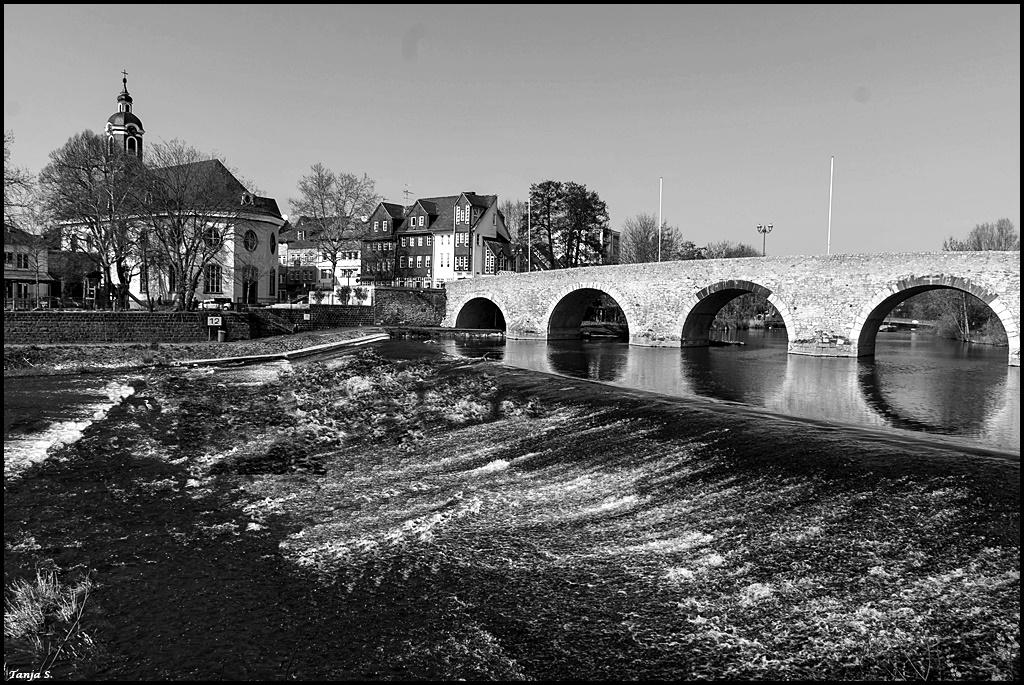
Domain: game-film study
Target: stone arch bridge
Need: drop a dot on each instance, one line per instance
(831, 305)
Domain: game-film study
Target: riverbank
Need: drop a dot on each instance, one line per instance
(402, 514)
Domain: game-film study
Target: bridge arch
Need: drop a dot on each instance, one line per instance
(700, 309)
(566, 309)
(864, 328)
(482, 310)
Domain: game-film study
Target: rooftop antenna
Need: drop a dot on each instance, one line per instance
(407, 192)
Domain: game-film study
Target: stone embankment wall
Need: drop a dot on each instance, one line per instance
(406, 307)
(391, 307)
(317, 317)
(64, 327)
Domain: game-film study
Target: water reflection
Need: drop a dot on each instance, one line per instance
(915, 382)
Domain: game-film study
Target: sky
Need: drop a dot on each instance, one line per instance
(720, 117)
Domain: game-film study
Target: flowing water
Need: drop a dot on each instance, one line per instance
(916, 382)
(44, 412)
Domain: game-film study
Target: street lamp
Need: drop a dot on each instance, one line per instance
(764, 230)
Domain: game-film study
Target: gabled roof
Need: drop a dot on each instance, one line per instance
(17, 236)
(483, 201)
(498, 247)
(396, 211)
(429, 206)
(441, 210)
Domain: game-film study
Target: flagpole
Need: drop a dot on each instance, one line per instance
(831, 170)
(661, 181)
(529, 234)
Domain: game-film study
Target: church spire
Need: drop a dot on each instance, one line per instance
(124, 129)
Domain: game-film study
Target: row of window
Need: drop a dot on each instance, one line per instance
(461, 240)
(415, 283)
(419, 262)
(18, 260)
(413, 221)
(380, 266)
(417, 241)
(424, 262)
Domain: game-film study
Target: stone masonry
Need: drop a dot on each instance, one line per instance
(831, 305)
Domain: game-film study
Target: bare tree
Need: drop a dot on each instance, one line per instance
(515, 215)
(730, 249)
(998, 236)
(192, 205)
(639, 241)
(92, 192)
(335, 203)
(18, 184)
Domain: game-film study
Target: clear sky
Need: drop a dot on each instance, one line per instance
(737, 108)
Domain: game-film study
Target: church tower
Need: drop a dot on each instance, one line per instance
(124, 129)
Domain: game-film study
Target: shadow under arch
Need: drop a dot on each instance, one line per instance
(480, 312)
(568, 308)
(865, 326)
(704, 305)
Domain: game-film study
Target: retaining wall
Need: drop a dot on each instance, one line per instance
(402, 306)
(27, 328)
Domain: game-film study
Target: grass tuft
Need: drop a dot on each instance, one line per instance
(43, 619)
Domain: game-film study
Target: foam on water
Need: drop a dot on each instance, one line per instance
(22, 451)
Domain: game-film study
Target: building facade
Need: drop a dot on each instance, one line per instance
(26, 270)
(306, 266)
(435, 240)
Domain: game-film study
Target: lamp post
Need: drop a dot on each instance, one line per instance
(764, 230)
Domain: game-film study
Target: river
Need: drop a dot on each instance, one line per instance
(916, 382)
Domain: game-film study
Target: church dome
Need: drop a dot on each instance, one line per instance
(123, 119)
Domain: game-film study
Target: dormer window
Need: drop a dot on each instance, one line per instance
(421, 221)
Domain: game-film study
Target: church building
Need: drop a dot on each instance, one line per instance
(232, 255)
